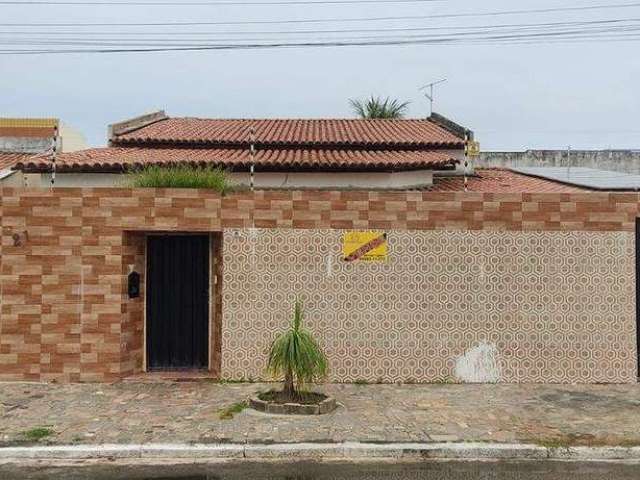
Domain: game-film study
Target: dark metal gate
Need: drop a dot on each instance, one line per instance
(177, 302)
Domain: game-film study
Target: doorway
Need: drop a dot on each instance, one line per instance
(177, 302)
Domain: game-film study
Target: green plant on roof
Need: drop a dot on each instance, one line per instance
(376, 107)
(296, 356)
(179, 176)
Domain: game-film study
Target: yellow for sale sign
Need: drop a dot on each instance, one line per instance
(367, 246)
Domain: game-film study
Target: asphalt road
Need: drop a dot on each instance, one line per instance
(533, 470)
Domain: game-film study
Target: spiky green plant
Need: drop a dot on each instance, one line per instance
(376, 107)
(296, 356)
(179, 176)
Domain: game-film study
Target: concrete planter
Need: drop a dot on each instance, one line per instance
(328, 405)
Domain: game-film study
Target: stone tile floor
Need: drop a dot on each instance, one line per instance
(186, 412)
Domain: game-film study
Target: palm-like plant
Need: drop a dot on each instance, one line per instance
(376, 107)
(296, 356)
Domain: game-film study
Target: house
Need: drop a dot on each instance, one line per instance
(22, 138)
(495, 276)
(288, 153)
(426, 154)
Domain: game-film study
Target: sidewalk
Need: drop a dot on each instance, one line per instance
(184, 413)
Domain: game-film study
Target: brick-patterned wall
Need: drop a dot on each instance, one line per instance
(132, 341)
(65, 254)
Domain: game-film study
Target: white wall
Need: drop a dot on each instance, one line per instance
(77, 180)
(70, 139)
(373, 180)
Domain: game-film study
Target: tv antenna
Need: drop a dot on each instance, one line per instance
(430, 95)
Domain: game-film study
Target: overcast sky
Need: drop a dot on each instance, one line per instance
(514, 96)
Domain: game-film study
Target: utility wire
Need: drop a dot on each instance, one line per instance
(214, 3)
(20, 52)
(523, 26)
(517, 33)
(586, 26)
(342, 42)
(253, 46)
(337, 20)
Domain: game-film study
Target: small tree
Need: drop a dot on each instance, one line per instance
(376, 107)
(296, 356)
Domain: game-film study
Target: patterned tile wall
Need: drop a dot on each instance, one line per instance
(526, 306)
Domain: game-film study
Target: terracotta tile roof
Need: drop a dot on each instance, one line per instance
(117, 159)
(9, 159)
(502, 181)
(318, 133)
(295, 144)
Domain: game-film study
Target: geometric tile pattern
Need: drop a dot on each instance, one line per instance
(556, 306)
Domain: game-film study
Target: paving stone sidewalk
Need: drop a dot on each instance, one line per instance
(190, 413)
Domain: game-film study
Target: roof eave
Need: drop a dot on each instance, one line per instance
(123, 168)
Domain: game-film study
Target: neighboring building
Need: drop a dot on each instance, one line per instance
(22, 138)
(27, 135)
(289, 153)
(625, 161)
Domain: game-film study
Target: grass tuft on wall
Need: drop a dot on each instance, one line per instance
(155, 176)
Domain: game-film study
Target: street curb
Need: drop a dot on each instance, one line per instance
(348, 451)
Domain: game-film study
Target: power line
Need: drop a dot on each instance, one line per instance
(230, 41)
(621, 29)
(325, 31)
(254, 46)
(449, 38)
(20, 52)
(516, 34)
(335, 20)
(214, 3)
